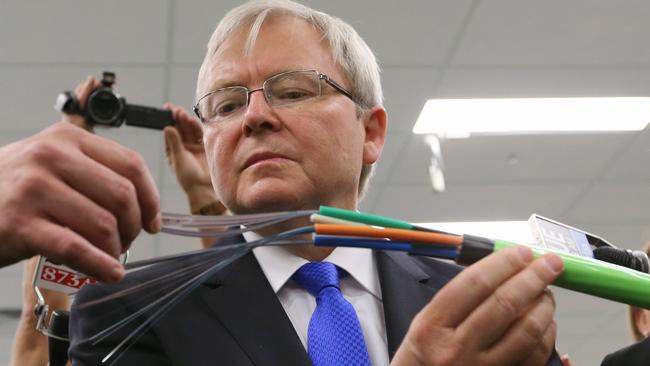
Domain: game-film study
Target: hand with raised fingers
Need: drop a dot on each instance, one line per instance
(76, 198)
(496, 312)
(186, 157)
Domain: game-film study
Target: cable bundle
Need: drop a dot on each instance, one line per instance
(330, 227)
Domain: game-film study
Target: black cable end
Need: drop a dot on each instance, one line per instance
(473, 249)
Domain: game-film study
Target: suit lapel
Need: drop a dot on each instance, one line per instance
(248, 308)
(406, 289)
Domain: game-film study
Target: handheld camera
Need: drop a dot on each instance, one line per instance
(105, 107)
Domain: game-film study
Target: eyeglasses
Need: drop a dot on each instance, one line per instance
(282, 90)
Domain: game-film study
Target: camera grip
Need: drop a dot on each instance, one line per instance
(148, 117)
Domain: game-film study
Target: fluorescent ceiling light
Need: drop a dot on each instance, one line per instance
(461, 117)
(515, 231)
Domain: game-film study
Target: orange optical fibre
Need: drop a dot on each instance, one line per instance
(395, 234)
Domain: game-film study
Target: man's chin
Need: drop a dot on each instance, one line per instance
(274, 200)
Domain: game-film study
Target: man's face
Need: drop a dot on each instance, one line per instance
(286, 158)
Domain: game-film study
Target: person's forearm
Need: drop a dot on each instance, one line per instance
(30, 345)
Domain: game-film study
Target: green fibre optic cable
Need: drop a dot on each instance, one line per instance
(364, 218)
(369, 219)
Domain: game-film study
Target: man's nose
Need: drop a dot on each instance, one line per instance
(259, 114)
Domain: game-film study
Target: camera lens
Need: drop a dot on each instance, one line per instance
(104, 106)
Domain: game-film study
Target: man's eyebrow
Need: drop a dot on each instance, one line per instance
(224, 83)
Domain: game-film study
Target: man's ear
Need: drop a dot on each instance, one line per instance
(641, 321)
(374, 123)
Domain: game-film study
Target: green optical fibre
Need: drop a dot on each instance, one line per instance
(369, 219)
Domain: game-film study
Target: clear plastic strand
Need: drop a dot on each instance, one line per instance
(142, 286)
(183, 290)
(97, 338)
(171, 219)
(219, 232)
(115, 327)
(209, 254)
(209, 260)
(209, 223)
(199, 252)
(172, 257)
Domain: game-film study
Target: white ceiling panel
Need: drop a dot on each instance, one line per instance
(9, 136)
(632, 164)
(593, 348)
(574, 305)
(392, 148)
(148, 143)
(412, 165)
(369, 201)
(10, 283)
(27, 95)
(556, 32)
(502, 82)
(599, 336)
(613, 203)
(405, 92)
(181, 92)
(541, 159)
(12, 270)
(584, 320)
(173, 200)
(418, 203)
(77, 31)
(512, 159)
(194, 22)
(183, 86)
(168, 179)
(415, 32)
(418, 34)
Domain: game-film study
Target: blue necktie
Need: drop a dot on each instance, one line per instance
(334, 336)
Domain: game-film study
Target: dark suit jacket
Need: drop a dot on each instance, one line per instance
(235, 318)
(637, 354)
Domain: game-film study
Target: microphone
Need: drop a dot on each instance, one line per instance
(634, 259)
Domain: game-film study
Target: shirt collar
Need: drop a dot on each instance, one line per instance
(278, 264)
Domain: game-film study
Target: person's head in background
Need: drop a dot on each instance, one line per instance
(640, 318)
(299, 150)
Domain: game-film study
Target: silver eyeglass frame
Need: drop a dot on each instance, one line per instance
(320, 75)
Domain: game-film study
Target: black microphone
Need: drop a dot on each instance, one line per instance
(634, 259)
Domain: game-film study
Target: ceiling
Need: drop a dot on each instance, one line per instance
(428, 49)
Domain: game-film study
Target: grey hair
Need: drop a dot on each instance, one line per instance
(349, 51)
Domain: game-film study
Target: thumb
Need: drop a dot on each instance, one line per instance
(78, 121)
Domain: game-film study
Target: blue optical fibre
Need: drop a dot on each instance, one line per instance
(379, 244)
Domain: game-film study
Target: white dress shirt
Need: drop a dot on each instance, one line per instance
(361, 289)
